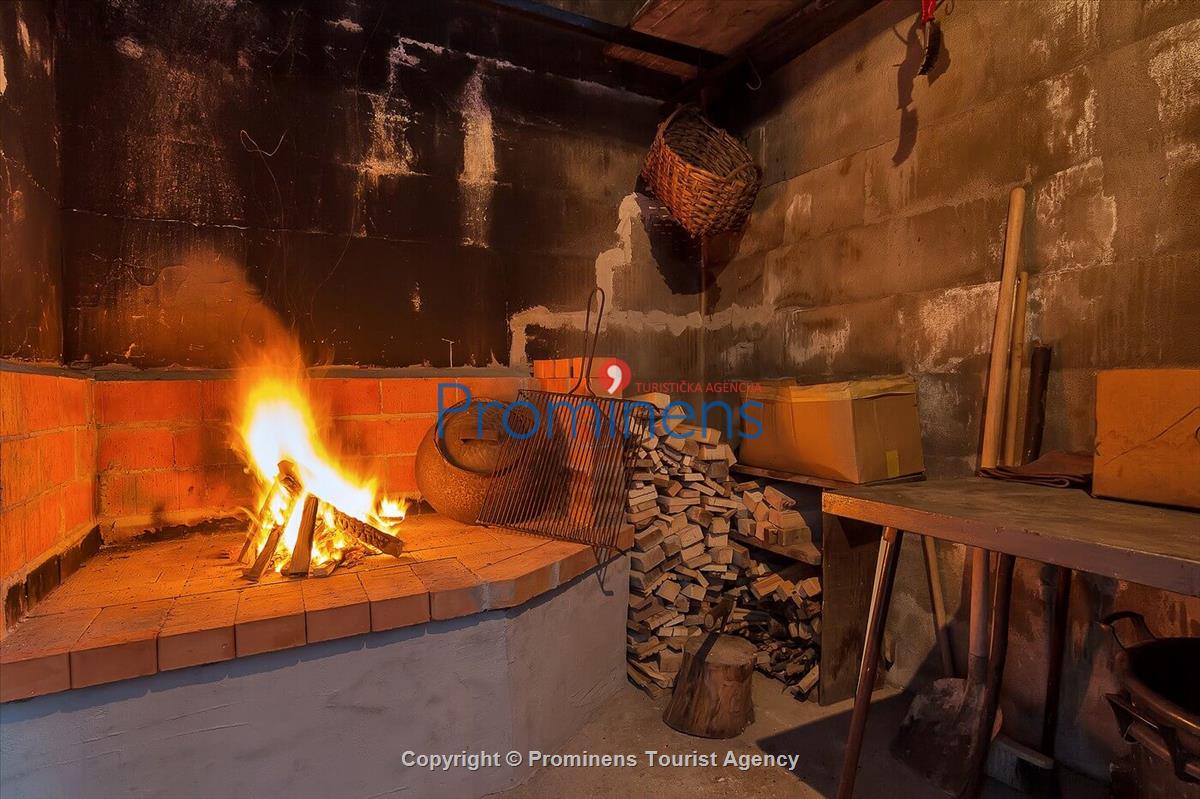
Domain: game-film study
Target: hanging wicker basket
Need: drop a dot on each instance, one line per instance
(704, 176)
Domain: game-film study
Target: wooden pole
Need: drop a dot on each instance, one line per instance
(1012, 402)
(981, 740)
(993, 414)
(881, 598)
(1035, 404)
(993, 419)
(933, 574)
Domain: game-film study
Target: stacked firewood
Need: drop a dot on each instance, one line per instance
(685, 506)
(779, 611)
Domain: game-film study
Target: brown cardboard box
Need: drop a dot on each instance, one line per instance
(1148, 436)
(859, 431)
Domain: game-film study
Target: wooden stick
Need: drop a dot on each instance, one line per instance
(1035, 403)
(256, 569)
(993, 418)
(982, 738)
(302, 551)
(248, 544)
(1012, 402)
(933, 574)
(993, 414)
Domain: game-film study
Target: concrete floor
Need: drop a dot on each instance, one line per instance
(632, 723)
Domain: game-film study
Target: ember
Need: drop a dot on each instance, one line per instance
(314, 514)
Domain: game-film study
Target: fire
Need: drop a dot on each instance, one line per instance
(278, 430)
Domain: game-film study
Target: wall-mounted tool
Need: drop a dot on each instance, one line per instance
(933, 36)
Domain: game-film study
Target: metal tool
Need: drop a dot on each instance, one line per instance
(933, 36)
(563, 469)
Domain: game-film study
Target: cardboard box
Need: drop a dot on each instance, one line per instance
(1148, 436)
(858, 431)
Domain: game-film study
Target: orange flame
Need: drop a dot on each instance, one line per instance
(278, 424)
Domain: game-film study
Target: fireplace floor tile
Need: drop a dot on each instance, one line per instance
(154, 605)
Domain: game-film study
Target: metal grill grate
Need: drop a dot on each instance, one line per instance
(565, 472)
(564, 464)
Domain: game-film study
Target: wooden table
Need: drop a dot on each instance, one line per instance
(1065, 527)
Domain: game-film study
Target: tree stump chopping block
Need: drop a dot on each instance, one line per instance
(712, 695)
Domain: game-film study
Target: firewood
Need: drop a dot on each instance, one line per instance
(810, 587)
(777, 499)
(644, 561)
(668, 590)
(649, 538)
(671, 544)
(786, 519)
(302, 551)
(809, 681)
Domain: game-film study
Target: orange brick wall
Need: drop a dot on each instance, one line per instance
(165, 453)
(47, 466)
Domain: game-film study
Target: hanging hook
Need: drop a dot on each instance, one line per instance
(757, 77)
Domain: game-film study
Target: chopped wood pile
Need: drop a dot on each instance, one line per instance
(688, 513)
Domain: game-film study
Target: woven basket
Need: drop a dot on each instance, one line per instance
(704, 176)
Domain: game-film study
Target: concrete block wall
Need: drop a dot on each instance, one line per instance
(47, 467)
(875, 246)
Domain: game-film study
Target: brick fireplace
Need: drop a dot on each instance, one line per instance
(124, 505)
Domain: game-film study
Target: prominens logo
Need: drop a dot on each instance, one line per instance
(675, 420)
(617, 375)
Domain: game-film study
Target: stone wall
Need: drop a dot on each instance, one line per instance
(875, 247)
(31, 294)
(380, 177)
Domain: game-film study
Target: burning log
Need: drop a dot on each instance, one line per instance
(368, 535)
(319, 521)
(302, 552)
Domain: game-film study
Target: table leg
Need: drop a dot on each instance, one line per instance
(881, 595)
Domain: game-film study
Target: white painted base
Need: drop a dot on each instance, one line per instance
(334, 719)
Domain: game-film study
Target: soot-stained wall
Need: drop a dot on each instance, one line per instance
(876, 243)
(30, 186)
(379, 176)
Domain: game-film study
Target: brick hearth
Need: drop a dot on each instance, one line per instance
(147, 606)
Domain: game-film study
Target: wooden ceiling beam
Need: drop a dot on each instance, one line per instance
(606, 32)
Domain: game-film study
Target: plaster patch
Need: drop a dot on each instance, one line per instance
(1175, 68)
(345, 24)
(477, 180)
(24, 39)
(129, 47)
(947, 329)
(3, 79)
(388, 150)
(415, 297)
(797, 220)
(1076, 220)
(806, 343)
(1072, 119)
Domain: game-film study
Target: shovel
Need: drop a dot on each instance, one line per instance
(943, 720)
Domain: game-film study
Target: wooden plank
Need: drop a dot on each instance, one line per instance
(1065, 527)
(719, 26)
(804, 552)
(850, 549)
(819, 482)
